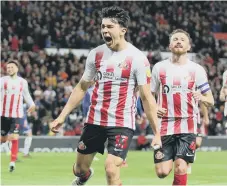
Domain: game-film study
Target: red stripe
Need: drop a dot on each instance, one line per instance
(125, 73)
(93, 104)
(191, 80)
(11, 105)
(164, 122)
(17, 108)
(98, 59)
(177, 106)
(106, 103)
(5, 98)
(190, 121)
(94, 97)
(190, 113)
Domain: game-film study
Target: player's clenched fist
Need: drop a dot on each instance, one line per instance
(156, 142)
(56, 124)
(161, 112)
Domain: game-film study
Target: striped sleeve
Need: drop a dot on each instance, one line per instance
(90, 69)
(154, 79)
(143, 71)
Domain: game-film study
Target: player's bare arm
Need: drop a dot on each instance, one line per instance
(75, 98)
(204, 111)
(207, 98)
(150, 108)
(223, 93)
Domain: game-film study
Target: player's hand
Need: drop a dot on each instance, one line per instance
(156, 142)
(197, 95)
(56, 124)
(161, 112)
(124, 164)
(31, 109)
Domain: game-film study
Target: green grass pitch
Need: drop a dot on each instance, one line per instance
(210, 168)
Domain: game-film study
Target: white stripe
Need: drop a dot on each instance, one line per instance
(8, 97)
(14, 115)
(170, 104)
(97, 108)
(127, 109)
(195, 125)
(184, 112)
(184, 126)
(113, 105)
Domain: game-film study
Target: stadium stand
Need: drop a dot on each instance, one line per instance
(29, 27)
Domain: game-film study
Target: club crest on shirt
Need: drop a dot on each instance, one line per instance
(148, 73)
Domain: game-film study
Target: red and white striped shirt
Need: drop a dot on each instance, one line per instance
(117, 75)
(175, 84)
(13, 91)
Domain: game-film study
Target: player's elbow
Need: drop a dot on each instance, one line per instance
(211, 103)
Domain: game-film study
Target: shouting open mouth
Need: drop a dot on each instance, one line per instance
(108, 40)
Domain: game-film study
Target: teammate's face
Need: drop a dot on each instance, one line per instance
(12, 69)
(179, 43)
(112, 32)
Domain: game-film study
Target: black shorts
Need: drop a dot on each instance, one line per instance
(176, 146)
(9, 126)
(94, 137)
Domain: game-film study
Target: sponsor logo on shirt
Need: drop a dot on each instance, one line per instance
(108, 75)
(165, 89)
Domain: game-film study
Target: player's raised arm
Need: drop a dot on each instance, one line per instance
(204, 94)
(205, 114)
(78, 92)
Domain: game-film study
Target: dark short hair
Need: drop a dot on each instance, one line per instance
(13, 61)
(117, 13)
(180, 31)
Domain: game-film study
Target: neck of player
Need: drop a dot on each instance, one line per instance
(120, 46)
(179, 59)
(14, 76)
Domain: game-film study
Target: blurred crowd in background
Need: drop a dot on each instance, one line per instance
(29, 27)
